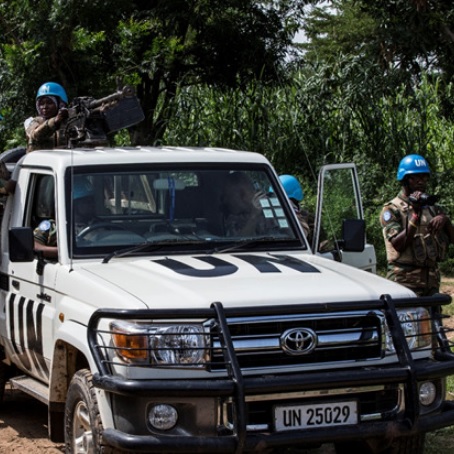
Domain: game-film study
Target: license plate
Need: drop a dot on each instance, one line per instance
(294, 417)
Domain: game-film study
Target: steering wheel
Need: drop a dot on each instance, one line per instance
(98, 226)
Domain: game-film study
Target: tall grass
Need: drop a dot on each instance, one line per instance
(321, 117)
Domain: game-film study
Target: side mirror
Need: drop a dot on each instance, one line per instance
(353, 235)
(21, 244)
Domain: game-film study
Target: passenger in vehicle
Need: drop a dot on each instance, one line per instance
(46, 239)
(84, 204)
(46, 233)
(243, 213)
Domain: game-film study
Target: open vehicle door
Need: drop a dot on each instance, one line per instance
(339, 230)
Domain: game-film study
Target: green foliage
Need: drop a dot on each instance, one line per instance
(414, 35)
(320, 118)
(160, 47)
(215, 73)
(441, 441)
(403, 37)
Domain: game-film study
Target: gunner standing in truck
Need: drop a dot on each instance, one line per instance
(416, 231)
(43, 131)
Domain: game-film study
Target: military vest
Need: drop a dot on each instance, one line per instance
(426, 249)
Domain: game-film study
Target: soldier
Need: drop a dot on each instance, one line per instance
(241, 206)
(43, 131)
(416, 231)
(46, 239)
(84, 204)
(45, 234)
(295, 193)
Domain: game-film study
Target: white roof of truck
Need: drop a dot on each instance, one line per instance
(135, 155)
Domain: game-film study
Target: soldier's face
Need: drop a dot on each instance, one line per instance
(237, 199)
(418, 182)
(47, 107)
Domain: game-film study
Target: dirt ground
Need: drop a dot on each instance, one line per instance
(23, 420)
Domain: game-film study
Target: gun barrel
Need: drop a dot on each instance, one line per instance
(126, 91)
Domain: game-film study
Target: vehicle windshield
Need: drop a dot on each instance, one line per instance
(206, 208)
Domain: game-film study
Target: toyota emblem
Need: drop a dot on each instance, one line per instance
(298, 341)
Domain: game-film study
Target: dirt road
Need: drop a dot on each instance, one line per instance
(23, 420)
(23, 426)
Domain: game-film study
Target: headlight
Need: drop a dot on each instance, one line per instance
(417, 328)
(130, 341)
(179, 344)
(163, 345)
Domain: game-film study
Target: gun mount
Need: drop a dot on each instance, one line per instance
(91, 120)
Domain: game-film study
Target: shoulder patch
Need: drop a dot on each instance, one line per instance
(44, 225)
(387, 215)
(28, 122)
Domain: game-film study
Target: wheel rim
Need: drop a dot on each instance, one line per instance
(82, 434)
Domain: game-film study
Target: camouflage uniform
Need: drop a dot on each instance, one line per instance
(417, 266)
(303, 218)
(46, 233)
(43, 134)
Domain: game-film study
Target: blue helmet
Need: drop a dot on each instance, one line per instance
(413, 163)
(292, 187)
(52, 89)
(82, 188)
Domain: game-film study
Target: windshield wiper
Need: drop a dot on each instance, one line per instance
(131, 250)
(233, 246)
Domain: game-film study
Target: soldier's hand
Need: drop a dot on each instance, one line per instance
(61, 115)
(415, 197)
(415, 201)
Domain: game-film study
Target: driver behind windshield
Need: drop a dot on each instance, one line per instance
(243, 213)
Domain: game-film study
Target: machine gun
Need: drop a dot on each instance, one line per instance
(90, 120)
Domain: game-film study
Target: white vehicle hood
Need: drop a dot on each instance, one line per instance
(241, 280)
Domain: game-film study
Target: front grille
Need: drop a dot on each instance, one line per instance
(258, 341)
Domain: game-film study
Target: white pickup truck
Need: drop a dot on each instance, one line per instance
(159, 328)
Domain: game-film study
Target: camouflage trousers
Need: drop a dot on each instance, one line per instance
(424, 281)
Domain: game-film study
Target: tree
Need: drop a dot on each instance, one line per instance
(158, 46)
(402, 36)
(52, 40)
(415, 35)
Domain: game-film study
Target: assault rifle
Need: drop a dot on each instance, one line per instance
(90, 120)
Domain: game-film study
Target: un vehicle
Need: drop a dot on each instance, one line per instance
(164, 325)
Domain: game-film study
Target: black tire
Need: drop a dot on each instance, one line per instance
(402, 445)
(83, 426)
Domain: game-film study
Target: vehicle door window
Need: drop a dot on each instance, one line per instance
(41, 200)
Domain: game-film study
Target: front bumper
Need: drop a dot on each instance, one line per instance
(259, 442)
(407, 374)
